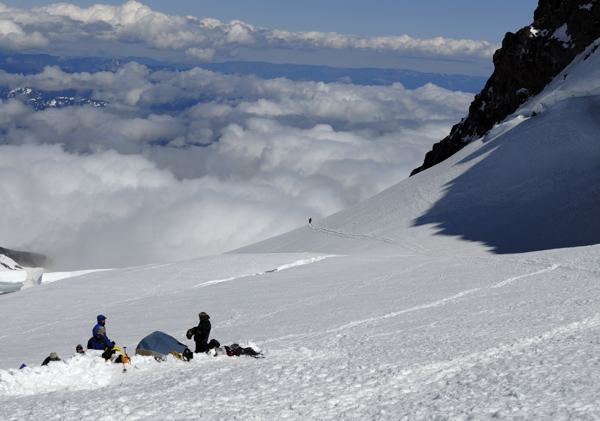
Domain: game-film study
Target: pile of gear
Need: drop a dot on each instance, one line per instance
(159, 345)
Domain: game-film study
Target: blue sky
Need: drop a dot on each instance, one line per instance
(473, 19)
(437, 36)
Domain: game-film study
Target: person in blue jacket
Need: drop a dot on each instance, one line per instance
(99, 340)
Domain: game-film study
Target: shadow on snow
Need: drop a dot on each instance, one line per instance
(536, 187)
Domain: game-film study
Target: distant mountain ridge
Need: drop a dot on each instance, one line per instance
(40, 100)
(35, 63)
(527, 61)
(359, 76)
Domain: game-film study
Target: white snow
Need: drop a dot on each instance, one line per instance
(470, 291)
(561, 34)
(581, 81)
(14, 277)
(537, 32)
(49, 277)
(361, 336)
(300, 262)
(6, 264)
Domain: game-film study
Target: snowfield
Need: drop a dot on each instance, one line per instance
(470, 291)
(364, 336)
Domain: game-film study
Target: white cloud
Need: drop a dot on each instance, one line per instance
(438, 46)
(202, 54)
(13, 37)
(134, 22)
(241, 159)
(111, 209)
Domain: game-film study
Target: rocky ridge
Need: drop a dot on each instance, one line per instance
(527, 61)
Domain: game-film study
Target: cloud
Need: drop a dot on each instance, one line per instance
(203, 39)
(112, 209)
(438, 46)
(13, 37)
(202, 54)
(181, 164)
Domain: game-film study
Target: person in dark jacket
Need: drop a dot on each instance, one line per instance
(52, 357)
(201, 333)
(99, 340)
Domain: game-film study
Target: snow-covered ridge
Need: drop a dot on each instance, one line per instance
(14, 277)
(579, 79)
(40, 100)
(6, 263)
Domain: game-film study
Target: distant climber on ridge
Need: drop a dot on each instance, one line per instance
(99, 340)
(310, 221)
(200, 333)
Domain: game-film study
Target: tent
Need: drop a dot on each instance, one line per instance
(159, 345)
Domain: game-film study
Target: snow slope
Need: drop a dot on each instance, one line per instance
(395, 309)
(362, 336)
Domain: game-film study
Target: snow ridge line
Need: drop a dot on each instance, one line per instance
(301, 262)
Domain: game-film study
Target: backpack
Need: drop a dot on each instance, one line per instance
(235, 350)
(122, 358)
(187, 354)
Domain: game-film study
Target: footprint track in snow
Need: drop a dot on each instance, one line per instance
(433, 304)
(527, 275)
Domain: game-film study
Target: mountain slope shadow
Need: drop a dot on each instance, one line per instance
(535, 187)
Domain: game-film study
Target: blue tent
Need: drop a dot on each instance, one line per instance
(159, 344)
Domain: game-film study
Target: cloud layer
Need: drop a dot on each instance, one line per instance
(133, 23)
(181, 164)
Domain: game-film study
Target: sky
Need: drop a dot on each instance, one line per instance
(473, 19)
(433, 36)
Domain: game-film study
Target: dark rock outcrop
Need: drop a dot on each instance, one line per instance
(25, 258)
(527, 61)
